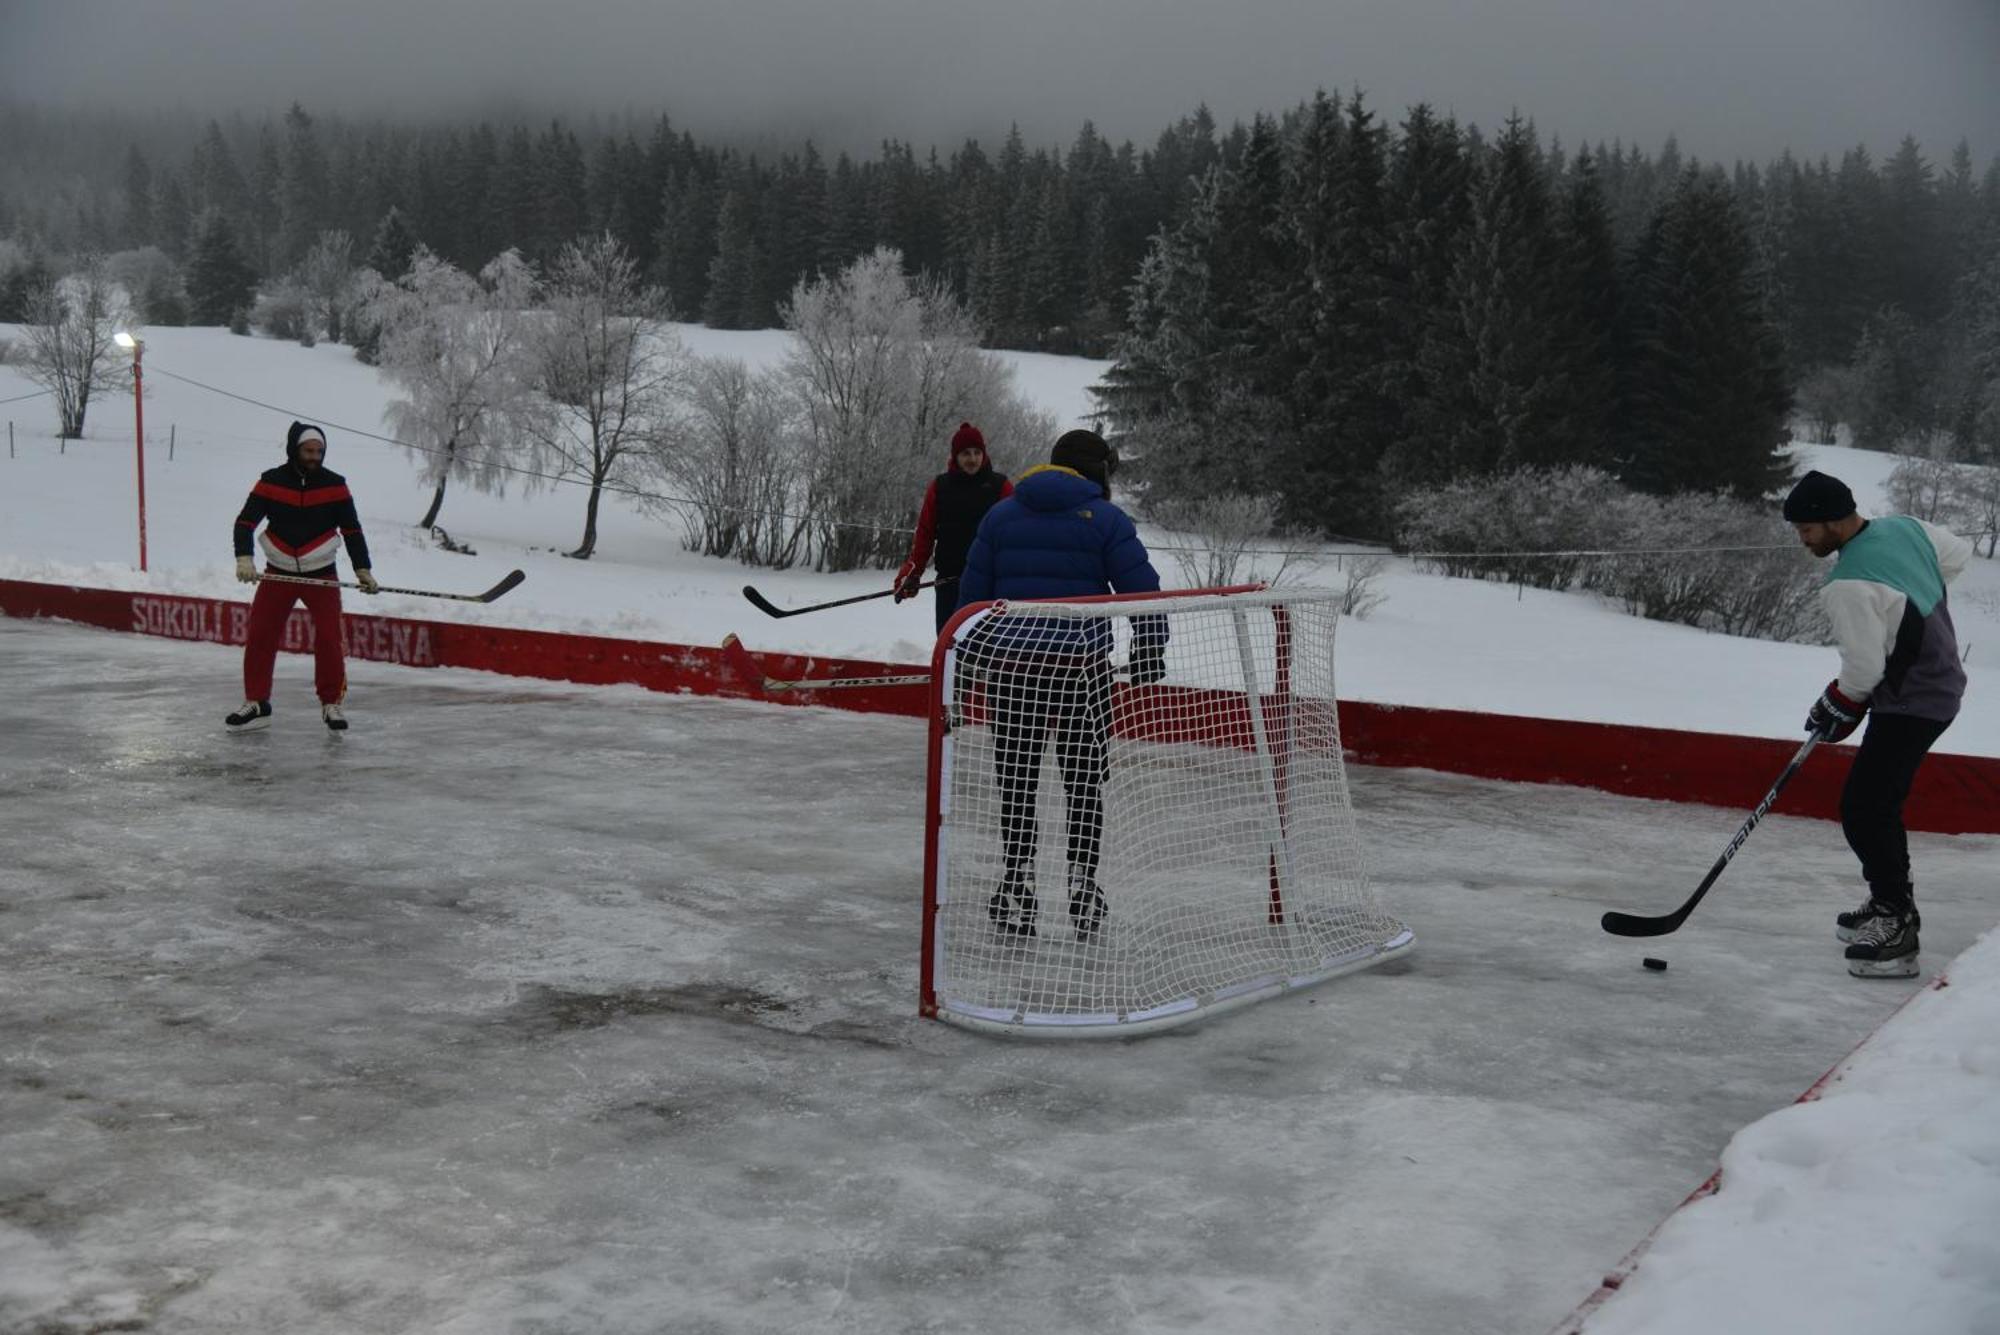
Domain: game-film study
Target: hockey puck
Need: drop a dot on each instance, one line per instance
(1653, 964)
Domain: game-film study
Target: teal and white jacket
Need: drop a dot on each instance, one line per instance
(1885, 597)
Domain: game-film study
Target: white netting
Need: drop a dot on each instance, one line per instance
(1142, 814)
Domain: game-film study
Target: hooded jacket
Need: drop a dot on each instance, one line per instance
(310, 513)
(1058, 537)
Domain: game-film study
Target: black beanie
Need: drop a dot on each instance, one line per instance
(1085, 452)
(1818, 499)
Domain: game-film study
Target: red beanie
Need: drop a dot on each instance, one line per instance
(967, 437)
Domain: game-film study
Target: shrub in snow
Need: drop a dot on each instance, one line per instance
(1223, 539)
(728, 458)
(1716, 562)
(1512, 526)
(280, 311)
(1497, 527)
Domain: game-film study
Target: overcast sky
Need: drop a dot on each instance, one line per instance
(1731, 78)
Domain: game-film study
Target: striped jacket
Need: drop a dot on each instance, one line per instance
(310, 515)
(1886, 599)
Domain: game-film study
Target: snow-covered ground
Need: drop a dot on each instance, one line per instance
(70, 516)
(549, 1036)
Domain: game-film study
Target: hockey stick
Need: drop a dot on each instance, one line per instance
(513, 578)
(1627, 924)
(745, 666)
(769, 608)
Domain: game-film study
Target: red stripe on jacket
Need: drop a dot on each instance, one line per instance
(293, 496)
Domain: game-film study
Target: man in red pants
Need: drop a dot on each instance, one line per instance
(310, 513)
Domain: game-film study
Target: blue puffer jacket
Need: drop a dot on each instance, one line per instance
(1056, 537)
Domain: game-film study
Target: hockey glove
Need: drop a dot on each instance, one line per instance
(366, 579)
(908, 582)
(1148, 662)
(1833, 716)
(246, 569)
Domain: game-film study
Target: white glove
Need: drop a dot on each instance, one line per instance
(246, 569)
(366, 579)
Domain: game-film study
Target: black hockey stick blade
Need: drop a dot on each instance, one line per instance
(1632, 924)
(512, 580)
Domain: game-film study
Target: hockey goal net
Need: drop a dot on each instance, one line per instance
(1138, 813)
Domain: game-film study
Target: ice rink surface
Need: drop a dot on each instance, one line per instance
(535, 1009)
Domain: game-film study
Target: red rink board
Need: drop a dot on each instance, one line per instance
(1954, 794)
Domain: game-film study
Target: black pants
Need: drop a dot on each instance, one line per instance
(1871, 805)
(947, 600)
(1072, 699)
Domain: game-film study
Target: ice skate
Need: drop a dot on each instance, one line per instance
(253, 716)
(1013, 906)
(1885, 947)
(335, 720)
(1086, 904)
(1846, 925)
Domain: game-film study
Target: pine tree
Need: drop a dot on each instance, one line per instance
(734, 276)
(1332, 315)
(171, 218)
(138, 198)
(1429, 205)
(302, 193)
(1583, 359)
(559, 177)
(1915, 250)
(685, 241)
(1496, 396)
(389, 253)
(219, 283)
(1706, 397)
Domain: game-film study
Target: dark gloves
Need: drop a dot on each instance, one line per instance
(1148, 662)
(908, 582)
(1834, 716)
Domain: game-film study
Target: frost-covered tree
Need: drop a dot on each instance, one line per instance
(459, 351)
(327, 277)
(605, 366)
(728, 459)
(66, 341)
(882, 367)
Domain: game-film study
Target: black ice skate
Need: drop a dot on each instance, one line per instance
(334, 718)
(1885, 947)
(254, 715)
(1846, 925)
(1014, 907)
(1086, 905)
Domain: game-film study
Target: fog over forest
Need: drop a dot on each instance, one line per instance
(1728, 79)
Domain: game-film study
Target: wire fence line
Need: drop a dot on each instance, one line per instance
(665, 499)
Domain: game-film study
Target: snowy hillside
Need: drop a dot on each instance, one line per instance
(68, 515)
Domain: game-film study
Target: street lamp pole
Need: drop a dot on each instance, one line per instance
(138, 348)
